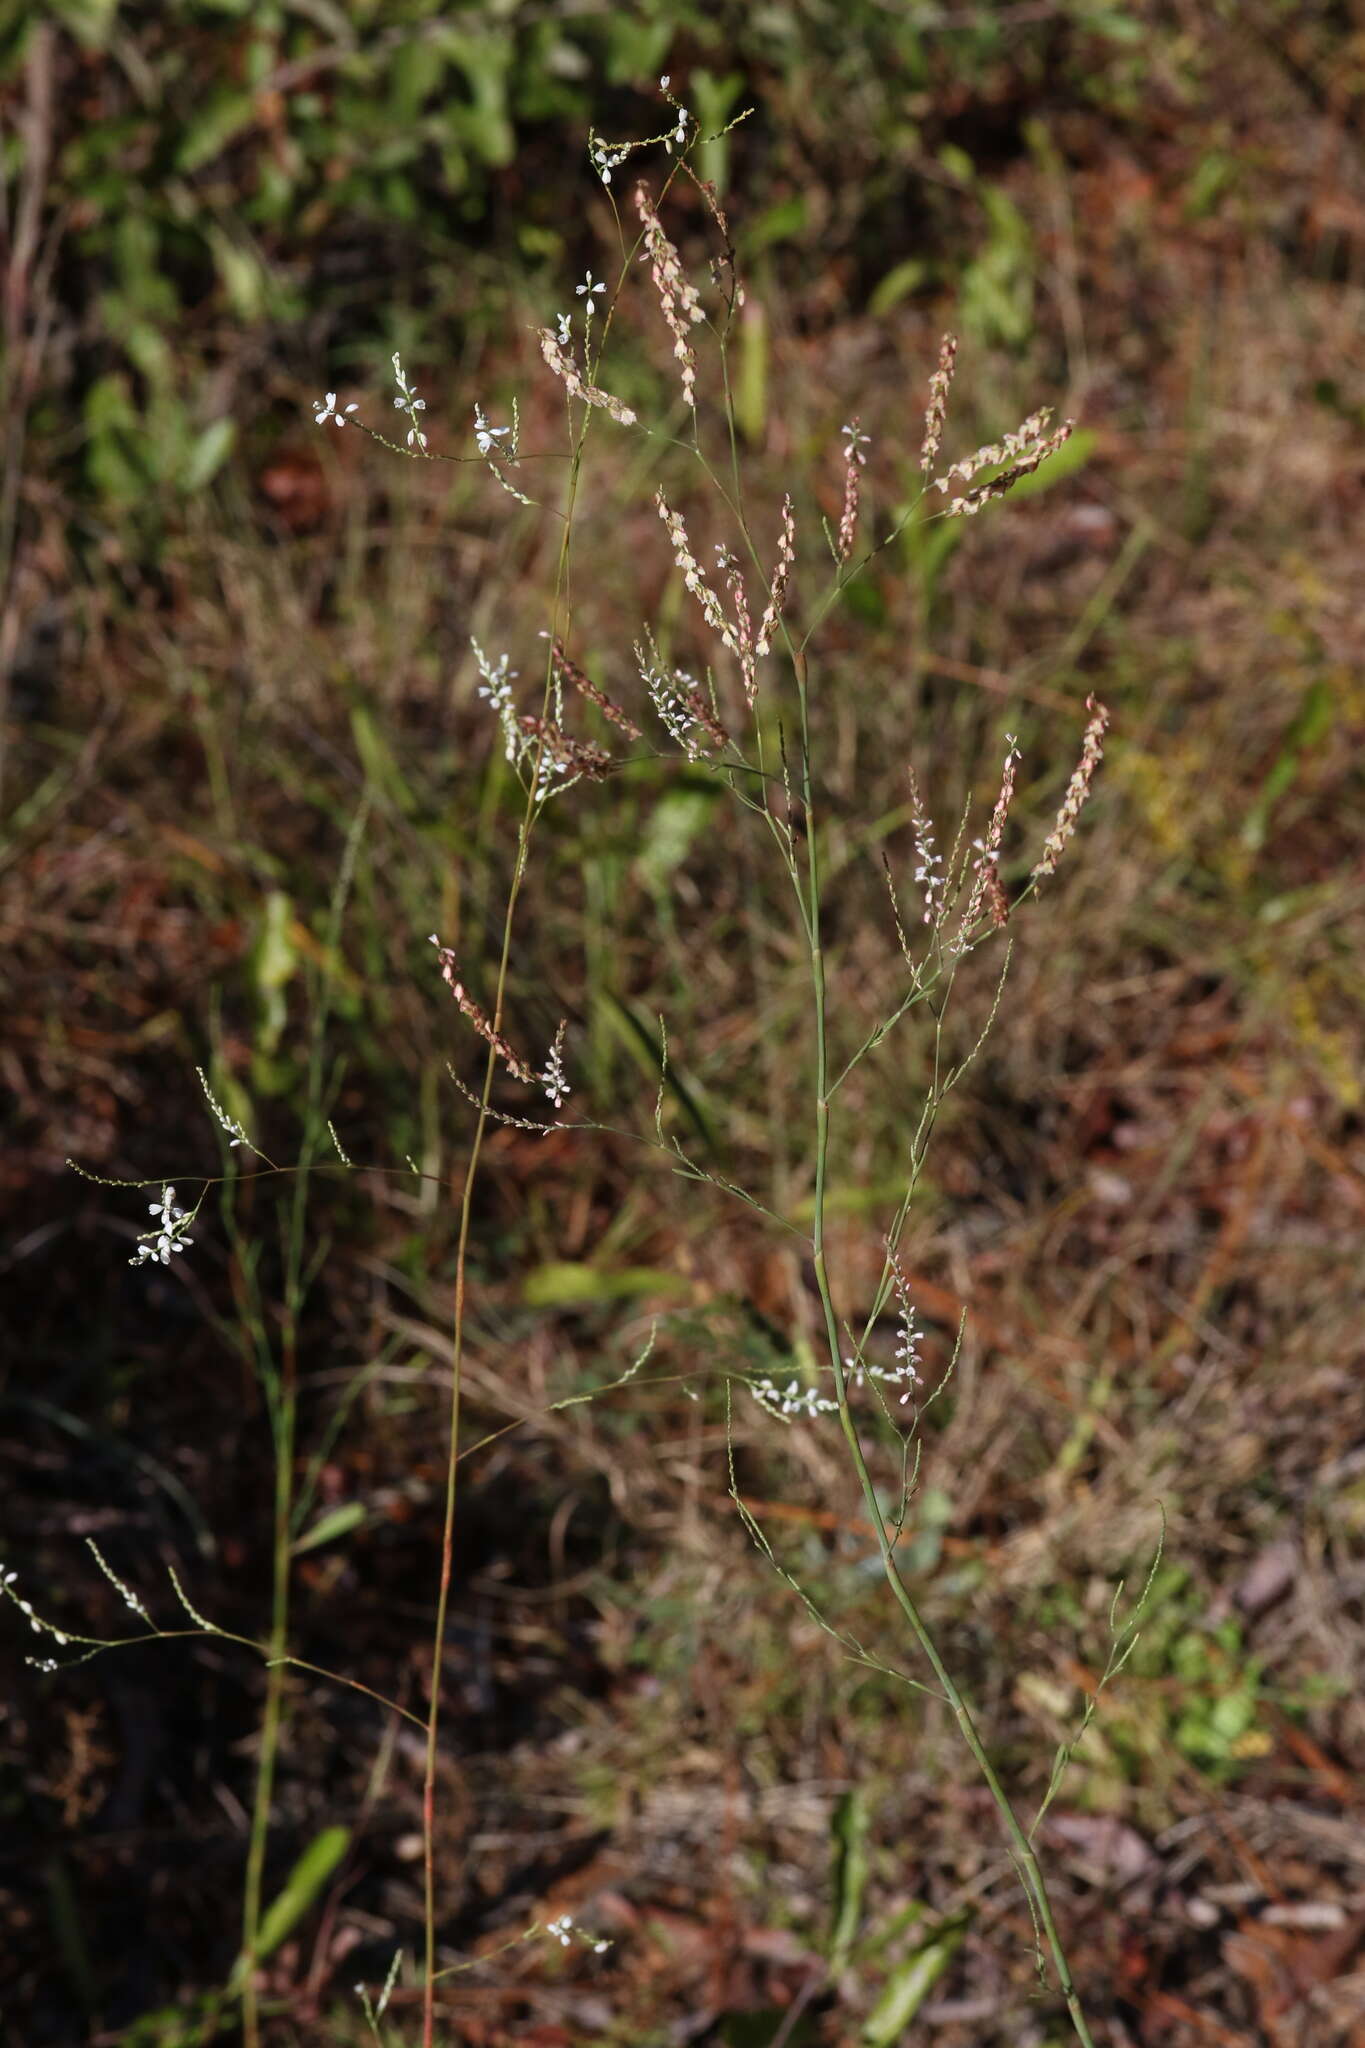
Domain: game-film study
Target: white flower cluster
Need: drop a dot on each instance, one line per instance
(525, 739)
(906, 1375)
(408, 403)
(910, 1336)
(167, 1234)
(678, 138)
(929, 873)
(793, 1399)
(35, 1622)
(236, 1133)
(496, 687)
(563, 1931)
(604, 160)
(552, 1076)
(672, 694)
(607, 157)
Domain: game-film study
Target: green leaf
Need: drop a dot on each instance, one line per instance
(208, 454)
(849, 1829)
(909, 1986)
(784, 222)
(274, 962)
(227, 113)
(898, 283)
(301, 1890)
(336, 1522)
(564, 1284)
(674, 823)
(91, 22)
(1311, 722)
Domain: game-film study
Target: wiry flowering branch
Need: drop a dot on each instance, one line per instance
(999, 485)
(929, 861)
(1029, 443)
(496, 688)
(681, 704)
(236, 1134)
(854, 460)
(559, 754)
(793, 1399)
(692, 573)
(937, 411)
(744, 629)
(1078, 789)
(569, 672)
(129, 1598)
(909, 1335)
(682, 708)
(487, 439)
(695, 700)
(167, 1234)
(552, 1076)
(408, 403)
(678, 299)
(607, 157)
(991, 452)
(986, 889)
(450, 974)
(777, 594)
(556, 354)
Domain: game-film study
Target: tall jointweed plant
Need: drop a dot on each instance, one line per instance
(746, 712)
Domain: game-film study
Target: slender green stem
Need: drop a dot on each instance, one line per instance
(458, 1318)
(283, 1397)
(276, 1680)
(1022, 1847)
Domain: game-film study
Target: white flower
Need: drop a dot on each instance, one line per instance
(327, 410)
(587, 289)
(855, 443)
(486, 438)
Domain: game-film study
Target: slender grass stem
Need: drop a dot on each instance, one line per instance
(1022, 1847)
(429, 1980)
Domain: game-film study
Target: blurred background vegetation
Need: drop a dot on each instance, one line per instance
(235, 658)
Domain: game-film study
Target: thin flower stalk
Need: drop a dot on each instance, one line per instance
(559, 754)
(997, 486)
(692, 573)
(679, 301)
(450, 974)
(569, 672)
(1078, 789)
(929, 861)
(777, 593)
(409, 404)
(937, 410)
(854, 460)
(744, 629)
(553, 1078)
(681, 706)
(560, 360)
(987, 891)
(1026, 435)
